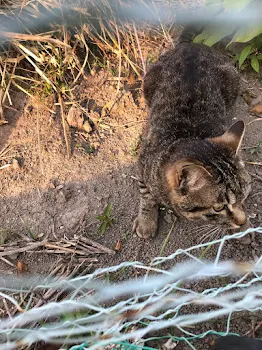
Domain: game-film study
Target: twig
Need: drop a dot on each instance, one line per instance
(255, 120)
(2, 119)
(139, 48)
(17, 59)
(31, 37)
(95, 244)
(90, 249)
(39, 143)
(257, 177)
(253, 330)
(82, 245)
(23, 249)
(6, 308)
(5, 166)
(134, 178)
(8, 262)
(11, 108)
(4, 150)
(32, 96)
(254, 163)
(50, 292)
(63, 123)
(6, 94)
(56, 267)
(120, 62)
(81, 71)
(90, 260)
(63, 249)
(74, 273)
(37, 69)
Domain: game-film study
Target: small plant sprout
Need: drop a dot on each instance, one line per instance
(106, 220)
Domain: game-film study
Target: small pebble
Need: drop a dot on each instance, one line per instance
(87, 127)
(169, 345)
(15, 164)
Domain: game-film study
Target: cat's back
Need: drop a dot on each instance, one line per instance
(189, 88)
(191, 61)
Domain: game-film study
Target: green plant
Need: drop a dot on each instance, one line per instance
(133, 148)
(256, 149)
(238, 32)
(251, 54)
(4, 234)
(105, 219)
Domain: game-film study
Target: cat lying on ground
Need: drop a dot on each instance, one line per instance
(189, 160)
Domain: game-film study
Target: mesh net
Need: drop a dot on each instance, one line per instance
(96, 311)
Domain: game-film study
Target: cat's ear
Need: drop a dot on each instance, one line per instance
(232, 138)
(187, 176)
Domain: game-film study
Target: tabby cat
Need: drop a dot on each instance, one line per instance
(189, 160)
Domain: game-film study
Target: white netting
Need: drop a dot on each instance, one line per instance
(96, 313)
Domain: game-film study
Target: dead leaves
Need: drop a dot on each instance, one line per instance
(22, 268)
(118, 245)
(257, 109)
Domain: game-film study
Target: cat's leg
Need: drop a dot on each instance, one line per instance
(145, 225)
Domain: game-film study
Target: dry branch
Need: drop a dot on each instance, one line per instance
(21, 250)
(95, 244)
(31, 37)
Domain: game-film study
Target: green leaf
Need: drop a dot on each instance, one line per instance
(108, 210)
(255, 63)
(257, 42)
(218, 33)
(247, 33)
(102, 228)
(244, 54)
(200, 37)
(236, 5)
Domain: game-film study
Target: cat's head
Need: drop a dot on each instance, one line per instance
(214, 185)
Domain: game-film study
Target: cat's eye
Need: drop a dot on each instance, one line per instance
(219, 207)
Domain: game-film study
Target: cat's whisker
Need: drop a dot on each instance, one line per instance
(203, 229)
(218, 234)
(205, 238)
(210, 234)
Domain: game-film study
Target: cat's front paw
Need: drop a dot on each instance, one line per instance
(145, 227)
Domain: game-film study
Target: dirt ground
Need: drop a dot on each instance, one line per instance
(46, 195)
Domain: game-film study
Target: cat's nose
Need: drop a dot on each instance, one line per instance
(239, 217)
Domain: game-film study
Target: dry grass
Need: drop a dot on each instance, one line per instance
(83, 37)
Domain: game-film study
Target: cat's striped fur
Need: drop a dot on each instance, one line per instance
(188, 161)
